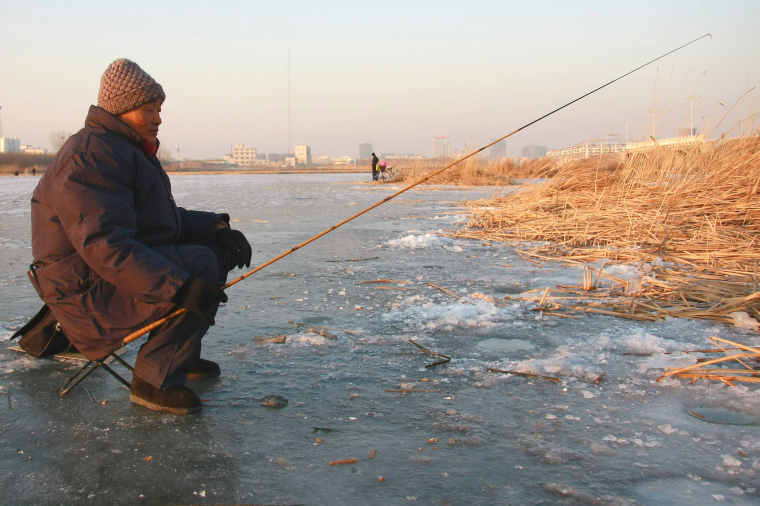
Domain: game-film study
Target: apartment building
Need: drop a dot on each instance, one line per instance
(303, 154)
(243, 155)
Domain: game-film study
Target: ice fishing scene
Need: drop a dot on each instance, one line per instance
(399, 254)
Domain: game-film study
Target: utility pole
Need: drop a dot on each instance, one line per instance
(653, 108)
(691, 122)
(287, 151)
(692, 99)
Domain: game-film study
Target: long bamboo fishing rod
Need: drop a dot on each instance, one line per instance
(136, 334)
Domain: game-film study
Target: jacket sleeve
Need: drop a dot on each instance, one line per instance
(200, 226)
(96, 205)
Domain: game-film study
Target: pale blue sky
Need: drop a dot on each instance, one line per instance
(394, 73)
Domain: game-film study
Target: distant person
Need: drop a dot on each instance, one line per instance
(113, 252)
(374, 167)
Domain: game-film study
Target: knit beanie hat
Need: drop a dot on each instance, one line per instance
(125, 86)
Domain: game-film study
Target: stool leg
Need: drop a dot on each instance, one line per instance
(122, 361)
(80, 376)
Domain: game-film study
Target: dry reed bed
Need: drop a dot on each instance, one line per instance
(690, 217)
(474, 171)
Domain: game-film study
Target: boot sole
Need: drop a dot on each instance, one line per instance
(166, 409)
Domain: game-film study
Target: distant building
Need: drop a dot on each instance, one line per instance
(321, 160)
(243, 155)
(9, 145)
(32, 150)
(365, 151)
(441, 147)
(277, 157)
(303, 154)
(534, 151)
(290, 161)
(498, 151)
(343, 160)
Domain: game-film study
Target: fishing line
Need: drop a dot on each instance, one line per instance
(136, 334)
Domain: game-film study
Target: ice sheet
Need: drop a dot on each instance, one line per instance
(455, 433)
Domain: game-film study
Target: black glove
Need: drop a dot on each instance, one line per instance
(234, 248)
(200, 298)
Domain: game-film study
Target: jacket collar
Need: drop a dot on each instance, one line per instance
(97, 117)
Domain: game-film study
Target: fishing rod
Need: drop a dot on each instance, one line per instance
(136, 334)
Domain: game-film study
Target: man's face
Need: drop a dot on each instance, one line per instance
(144, 120)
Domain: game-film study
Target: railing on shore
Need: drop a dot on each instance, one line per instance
(589, 150)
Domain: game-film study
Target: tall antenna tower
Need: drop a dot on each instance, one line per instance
(288, 147)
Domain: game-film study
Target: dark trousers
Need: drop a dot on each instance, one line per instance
(176, 344)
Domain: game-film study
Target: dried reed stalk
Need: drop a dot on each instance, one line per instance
(526, 374)
(725, 375)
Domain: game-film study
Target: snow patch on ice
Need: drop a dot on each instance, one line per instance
(427, 240)
(586, 360)
(465, 312)
(565, 361)
(451, 218)
(639, 342)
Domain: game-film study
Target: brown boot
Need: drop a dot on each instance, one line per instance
(203, 369)
(177, 400)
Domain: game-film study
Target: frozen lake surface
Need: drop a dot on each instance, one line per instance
(464, 436)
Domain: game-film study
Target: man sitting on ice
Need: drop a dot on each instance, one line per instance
(113, 252)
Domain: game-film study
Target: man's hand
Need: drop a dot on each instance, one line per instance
(235, 248)
(200, 298)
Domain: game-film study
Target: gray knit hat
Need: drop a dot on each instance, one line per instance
(125, 86)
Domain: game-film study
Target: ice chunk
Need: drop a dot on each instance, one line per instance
(427, 240)
(310, 339)
(413, 241)
(744, 321)
(730, 461)
(463, 313)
